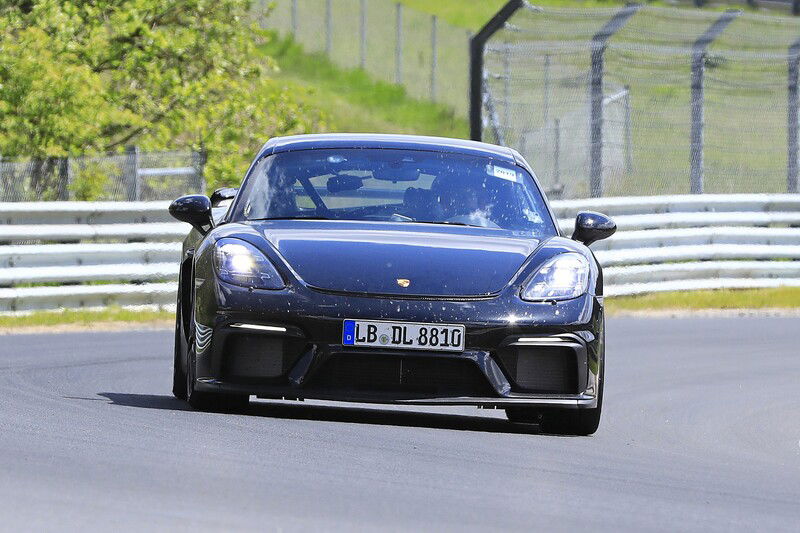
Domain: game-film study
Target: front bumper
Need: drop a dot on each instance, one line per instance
(308, 324)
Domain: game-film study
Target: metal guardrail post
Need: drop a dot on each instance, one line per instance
(599, 42)
(793, 141)
(434, 57)
(698, 69)
(398, 44)
(477, 45)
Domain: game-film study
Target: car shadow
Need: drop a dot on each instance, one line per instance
(348, 414)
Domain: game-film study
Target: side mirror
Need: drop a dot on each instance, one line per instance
(194, 209)
(591, 227)
(223, 195)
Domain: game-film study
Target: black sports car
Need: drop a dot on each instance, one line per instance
(391, 269)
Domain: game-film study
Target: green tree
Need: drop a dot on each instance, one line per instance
(82, 76)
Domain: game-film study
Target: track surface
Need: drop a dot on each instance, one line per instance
(701, 432)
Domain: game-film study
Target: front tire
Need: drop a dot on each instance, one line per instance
(178, 374)
(562, 421)
(219, 402)
(558, 421)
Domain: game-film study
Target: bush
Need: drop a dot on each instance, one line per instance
(83, 76)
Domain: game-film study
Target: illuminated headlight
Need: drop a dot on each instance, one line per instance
(561, 278)
(241, 263)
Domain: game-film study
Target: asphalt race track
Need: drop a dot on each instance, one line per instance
(701, 432)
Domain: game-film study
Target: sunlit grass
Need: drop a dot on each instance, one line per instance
(355, 102)
(86, 317)
(777, 298)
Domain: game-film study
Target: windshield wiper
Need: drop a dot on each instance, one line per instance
(447, 223)
(294, 218)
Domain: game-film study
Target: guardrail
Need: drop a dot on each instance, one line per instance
(103, 253)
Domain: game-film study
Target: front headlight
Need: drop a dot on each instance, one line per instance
(241, 263)
(563, 277)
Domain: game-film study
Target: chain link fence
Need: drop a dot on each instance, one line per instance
(128, 176)
(392, 43)
(642, 100)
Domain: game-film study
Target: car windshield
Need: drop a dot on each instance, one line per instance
(406, 186)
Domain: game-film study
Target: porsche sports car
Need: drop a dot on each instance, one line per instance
(391, 269)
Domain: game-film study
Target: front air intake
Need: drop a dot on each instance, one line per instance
(258, 356)
(401, 375)
(543, 369)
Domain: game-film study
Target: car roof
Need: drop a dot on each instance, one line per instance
(387, 141)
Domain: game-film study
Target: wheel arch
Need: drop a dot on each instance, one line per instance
(185, 291)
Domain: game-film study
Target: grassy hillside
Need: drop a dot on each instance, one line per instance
(354, 102)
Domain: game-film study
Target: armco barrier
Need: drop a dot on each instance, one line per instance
(664, 243)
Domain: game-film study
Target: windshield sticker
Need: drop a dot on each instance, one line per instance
(503, 173)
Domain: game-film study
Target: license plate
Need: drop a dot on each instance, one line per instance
(403, 335)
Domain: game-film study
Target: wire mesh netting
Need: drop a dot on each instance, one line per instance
(122, 177)
(430, 58)
(537, 99)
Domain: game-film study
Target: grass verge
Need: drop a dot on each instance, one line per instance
(85, 317)
(777, 298)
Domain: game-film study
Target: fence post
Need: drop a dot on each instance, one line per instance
(599, 42)
(398, 44)
(506, 83)
(494, 120)
(698, 69)
(199, 162)
(795, 7)
(696, 142)
(546, 99)
(792, 117)
(294, 19)
(63, 178)
(362, 30)
(434, 58)
(477, 43)
(131, 173)
(557, 152)
(628, 132)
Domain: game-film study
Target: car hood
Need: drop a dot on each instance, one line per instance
(375, 258)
